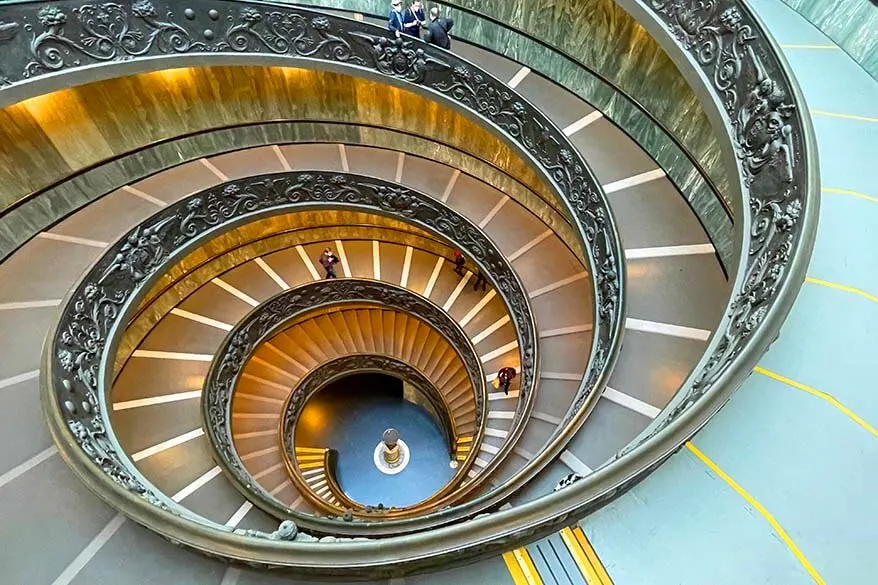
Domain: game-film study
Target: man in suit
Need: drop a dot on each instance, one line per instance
(413, 19)
(395, 22)
(438, 29)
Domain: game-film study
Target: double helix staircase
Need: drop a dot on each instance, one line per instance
(675, 287)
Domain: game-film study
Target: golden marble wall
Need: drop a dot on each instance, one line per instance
(46, 139)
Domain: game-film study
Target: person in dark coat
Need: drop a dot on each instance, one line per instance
(505, 375)
(481, 281)
(459, 262)
(438, 29)
(328, 260)
(395, 21)
(413, 19)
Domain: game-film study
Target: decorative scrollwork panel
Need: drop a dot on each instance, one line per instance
(62, 37)
(769, 136)
(92, 319)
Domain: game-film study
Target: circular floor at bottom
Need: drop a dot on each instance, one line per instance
(350, 416)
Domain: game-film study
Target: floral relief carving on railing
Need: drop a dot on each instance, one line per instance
(96, 307)
(769, 140)
(282, 311)
(747, 77)
(71, 34)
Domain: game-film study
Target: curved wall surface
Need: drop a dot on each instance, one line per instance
(601, 37)
(51, 143)
(796, 444)
(790, 451)
(851, 24)
(701, 179)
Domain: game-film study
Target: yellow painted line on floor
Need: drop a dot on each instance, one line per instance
(851, 193)
(514, 569)
(586, 568)
(521, 567)
(844, 116)
(841, 287)
(819, 394)
(527, 565)
(761, 509)
(592, 556)
(816, 47)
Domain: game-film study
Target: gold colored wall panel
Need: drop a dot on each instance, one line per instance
(47, 138)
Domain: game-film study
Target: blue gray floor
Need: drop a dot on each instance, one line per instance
(351, 421)
(801, 458)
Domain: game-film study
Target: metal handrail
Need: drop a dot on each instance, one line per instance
(159, 301)
(130, 267)
(345, 44)
(277, 314)
(566, 55)
(329, 372)
(761, 113)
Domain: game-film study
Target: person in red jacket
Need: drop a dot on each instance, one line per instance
(459, 262)
(505, 375)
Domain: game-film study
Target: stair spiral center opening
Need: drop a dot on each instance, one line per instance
(350, 414)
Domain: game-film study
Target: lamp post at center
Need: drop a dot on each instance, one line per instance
(391, 455)
(391, 447)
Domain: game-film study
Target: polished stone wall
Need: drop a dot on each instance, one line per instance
(852, 24)
(75, 131)
(55, 135)
(597, 35)
(77, 145)
(254, 240)
(598, 52)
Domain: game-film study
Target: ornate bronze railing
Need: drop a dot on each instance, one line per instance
(477, 26)
(282, 311)
(330, 466)
(315, 39)
(764, 114)
(91, 325)
(326, 374)
(70, 41)
(759, 113)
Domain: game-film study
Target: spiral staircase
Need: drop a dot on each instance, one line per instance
(167, 321)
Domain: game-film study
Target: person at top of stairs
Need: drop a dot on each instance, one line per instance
(413, 19)
(438, 29)
(395, 19)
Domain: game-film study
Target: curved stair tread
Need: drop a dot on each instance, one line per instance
(238, 302)
(271, 369)
(60, 268)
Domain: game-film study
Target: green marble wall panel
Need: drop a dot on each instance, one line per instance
(86, 126)
(596, 34)
(700, 180)
(852, 24)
